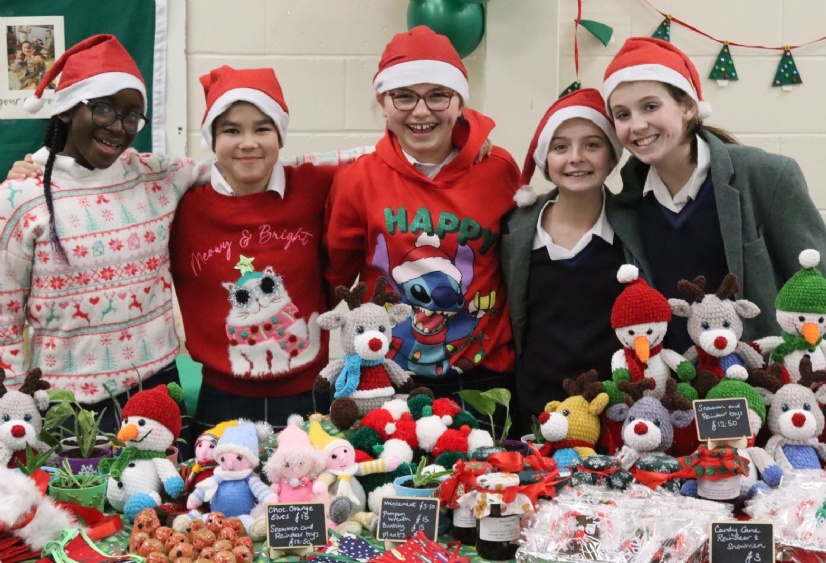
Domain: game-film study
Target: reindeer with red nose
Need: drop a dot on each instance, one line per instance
(364, 379)
(20, 418)
(715, 325)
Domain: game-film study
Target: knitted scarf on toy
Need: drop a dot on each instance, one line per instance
(350, 376)
(635, 365)
(117, 465)
(791, 343)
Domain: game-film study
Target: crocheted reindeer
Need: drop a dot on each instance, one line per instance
(364, 379)
(20, 418)
(715, 326)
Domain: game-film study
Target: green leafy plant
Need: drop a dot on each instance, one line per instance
(536, 428)
(485, 403)
(34, 462)
(423, 479)
(85, 428)
(65, 479)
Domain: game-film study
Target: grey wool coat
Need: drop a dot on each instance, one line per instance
(766, 217)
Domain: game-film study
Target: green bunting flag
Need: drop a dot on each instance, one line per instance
(787, 75)
(724, 70)
(664, 30)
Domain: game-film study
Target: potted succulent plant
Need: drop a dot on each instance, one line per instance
(423, 483)
(81, 442)
(87, 488)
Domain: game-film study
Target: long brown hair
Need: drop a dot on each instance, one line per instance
(696, 124)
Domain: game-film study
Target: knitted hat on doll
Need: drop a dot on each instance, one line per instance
(586, 103)
(646, 58)
(638, 303)
(157, 404)
(218, 430)
(320, 439)
(421, 56)
(259, 86)
(734, 388)
(241, 439)
(805, 292)
(96, 67)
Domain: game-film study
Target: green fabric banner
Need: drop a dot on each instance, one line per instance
(133, 22)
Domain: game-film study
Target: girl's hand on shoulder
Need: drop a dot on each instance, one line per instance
(484, 151)
(23, 169)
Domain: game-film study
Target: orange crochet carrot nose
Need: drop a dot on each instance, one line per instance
(641, 348)
(811, 332)
(127, 433)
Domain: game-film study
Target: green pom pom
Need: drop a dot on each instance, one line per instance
(463, 418)
(417, 403)
(427, 411)
(448, 459)
(621, 374)
(686, 371)
(176, 392)
(615, 396)
(687, 391)
(365, 439)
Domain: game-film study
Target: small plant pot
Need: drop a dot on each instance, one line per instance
(92, 497)
(528, 438)
(404, 488)
(70, 443)
(172, 455)
(83, 464)
(517, 446)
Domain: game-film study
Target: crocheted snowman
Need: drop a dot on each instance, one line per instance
(640, 318)
(801, 314)
(150, 423)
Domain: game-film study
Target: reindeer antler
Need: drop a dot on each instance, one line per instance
(728, 287)
(2, 380)
(770, 378)
(672, 400)
(635, 391)
(808, 376)
(351, 297)
(584, 383)
(381, 296)
(33, 383)
(696, 290)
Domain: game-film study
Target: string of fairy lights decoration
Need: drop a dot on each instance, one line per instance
(724, 71)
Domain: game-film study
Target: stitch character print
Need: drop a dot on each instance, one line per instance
(267, 333)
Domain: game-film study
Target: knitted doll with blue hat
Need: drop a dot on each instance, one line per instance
(234, 489)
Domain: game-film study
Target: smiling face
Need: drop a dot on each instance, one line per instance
(246, 147)
(580, 156)
(423, 134)
(651, 123)
(232, 461)
(204, 449)
(93, 146)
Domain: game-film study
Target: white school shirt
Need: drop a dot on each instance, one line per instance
(542, 239)
(277, 183)
(653, 183)
(429, 169)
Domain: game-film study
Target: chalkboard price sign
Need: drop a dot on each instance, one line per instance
(722, 419)
(296, 525)
(741, 542)
(402, 517)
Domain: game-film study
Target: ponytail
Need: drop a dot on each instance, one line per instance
(55, 140)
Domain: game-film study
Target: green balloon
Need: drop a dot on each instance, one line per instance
(463, 23)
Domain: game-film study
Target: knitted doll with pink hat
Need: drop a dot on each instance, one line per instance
(150, 423)
(293, 467)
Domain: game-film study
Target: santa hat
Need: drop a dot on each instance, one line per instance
(225, 85)
(425, 258)
(421, 56)
(242, 440)
(638, 303)
(586, 103)
(96, 67)
(320, 439)
(646, 58)
(157, 404)
(805, 292)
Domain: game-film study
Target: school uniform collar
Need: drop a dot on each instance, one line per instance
(65, 164)
(654, 183)
(542, 239)
(278, 181)
(427, 168)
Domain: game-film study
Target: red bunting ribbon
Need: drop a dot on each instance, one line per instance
(462, 475)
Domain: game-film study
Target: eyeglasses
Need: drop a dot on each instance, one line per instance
(105, 115)
(405, 100)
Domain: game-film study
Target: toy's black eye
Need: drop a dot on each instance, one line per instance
(726, 324)
(820, 320)
(141, 422)
(631, 332)
(419, 293)
(286, 464)
(784, 407)
(6, 418)
(631, 419)
(649, 332)
(801, 318)
(704, 325)
(334, 456)
(27, 417)
(221, 459)
(381, 328)
(238, 457)
(807, 407)
(657, 423)
(360, 329)
(566, 412)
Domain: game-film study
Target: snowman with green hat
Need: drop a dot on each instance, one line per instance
(801, 314)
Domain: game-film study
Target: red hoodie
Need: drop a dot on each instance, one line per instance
(437, 243)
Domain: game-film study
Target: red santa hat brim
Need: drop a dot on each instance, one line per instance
(259, 99)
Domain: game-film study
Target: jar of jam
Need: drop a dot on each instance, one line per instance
(464, 525)
(497, 535)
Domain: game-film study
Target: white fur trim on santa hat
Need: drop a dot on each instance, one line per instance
(437, 261)
(407, 74)
(97, 86)
(373, 393)
(525, 196)
(543, 144)
(656, 73)
(256, 97)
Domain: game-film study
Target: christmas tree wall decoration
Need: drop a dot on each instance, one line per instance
(724, 70)
(664, 30)
(787, 75)
(572, 87)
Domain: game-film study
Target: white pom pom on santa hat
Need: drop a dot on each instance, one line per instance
(628, 273)
(809, 258)
(525, 196)
(33, 104)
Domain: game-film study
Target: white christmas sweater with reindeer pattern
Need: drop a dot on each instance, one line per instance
(106, 315)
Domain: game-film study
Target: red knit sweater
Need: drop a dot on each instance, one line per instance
(255, 335)
(437, 243)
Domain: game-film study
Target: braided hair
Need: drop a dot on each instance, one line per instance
(55, 140)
